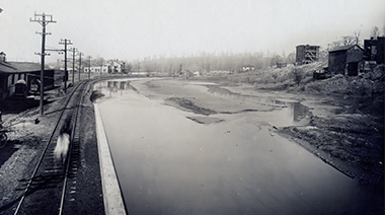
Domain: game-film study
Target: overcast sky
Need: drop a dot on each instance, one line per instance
(128, 29)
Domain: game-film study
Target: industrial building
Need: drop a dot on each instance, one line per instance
(306, 54)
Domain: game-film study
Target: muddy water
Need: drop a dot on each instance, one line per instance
(169, 164)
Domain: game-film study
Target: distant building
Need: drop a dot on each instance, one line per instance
(374, 50)
(195, 70)
(248, 68)
(345, 60)
(110, 67)
(197, 73)
(281, 65)
(306, 54)
(116, 66)
(12, 72)
(97, 69)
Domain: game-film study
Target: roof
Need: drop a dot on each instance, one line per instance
(19, 67)
(308, 45)
(344, 48)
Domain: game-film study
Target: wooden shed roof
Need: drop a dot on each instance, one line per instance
(345, 48)
(19, 67)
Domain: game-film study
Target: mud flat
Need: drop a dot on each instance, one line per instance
(350, 142)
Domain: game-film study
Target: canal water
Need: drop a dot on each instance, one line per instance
(170, 164)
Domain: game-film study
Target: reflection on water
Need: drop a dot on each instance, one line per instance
(168, 164)
(114, 87)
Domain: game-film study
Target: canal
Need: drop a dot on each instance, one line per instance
(173, 161)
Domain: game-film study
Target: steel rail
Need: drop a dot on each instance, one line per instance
(70, 149)
(87, 83)
(45, 149)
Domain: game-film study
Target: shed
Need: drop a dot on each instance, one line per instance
(11, 72)
(345, 60)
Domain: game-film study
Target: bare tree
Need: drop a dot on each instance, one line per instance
(348, 40)
(323, 55)
(334, 44)
(383, 30)
(375, 32)
(291, 58)
(357, 35)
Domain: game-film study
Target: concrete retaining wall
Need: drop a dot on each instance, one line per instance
(113, 201)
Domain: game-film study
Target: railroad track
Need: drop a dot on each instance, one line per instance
(52, 184)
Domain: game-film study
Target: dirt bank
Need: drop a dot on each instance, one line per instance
(346, 125)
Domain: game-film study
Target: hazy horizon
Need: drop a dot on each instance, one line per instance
(130, 30)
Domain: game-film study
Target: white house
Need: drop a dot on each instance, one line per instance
(97, 69)
(110, 67)
(117, 66)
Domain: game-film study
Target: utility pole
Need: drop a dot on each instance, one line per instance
(89, 66)
(44, 20)
(73, 65)
(80, 63)
(65, 42)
